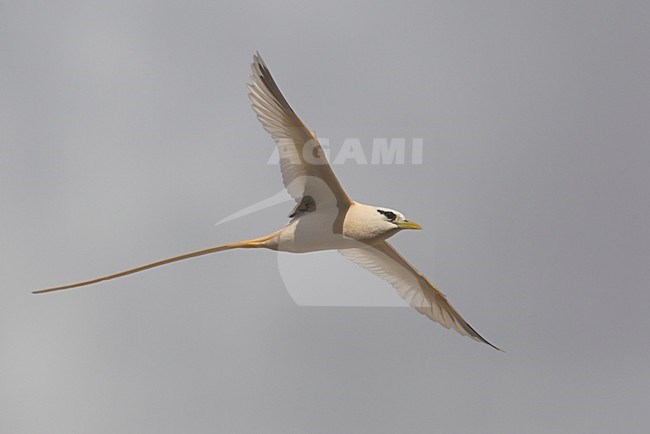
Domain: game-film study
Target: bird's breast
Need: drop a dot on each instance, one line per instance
(312, 232)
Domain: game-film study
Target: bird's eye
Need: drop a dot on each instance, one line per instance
(389, 214)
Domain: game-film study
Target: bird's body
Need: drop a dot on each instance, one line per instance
(324, 217)
(312, 232)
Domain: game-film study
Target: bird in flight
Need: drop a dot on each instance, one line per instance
(324, 217)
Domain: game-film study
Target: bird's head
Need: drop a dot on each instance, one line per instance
(371, 222)
(391, 220)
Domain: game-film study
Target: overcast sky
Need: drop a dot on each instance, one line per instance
(126, 133)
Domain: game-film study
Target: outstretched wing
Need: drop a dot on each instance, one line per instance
(305, 169)
(382, 259)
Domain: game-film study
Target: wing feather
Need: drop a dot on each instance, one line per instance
(383, 260)
(304, 166)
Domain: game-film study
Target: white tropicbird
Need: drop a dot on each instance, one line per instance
(324, 217)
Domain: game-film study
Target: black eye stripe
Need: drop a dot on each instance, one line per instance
(389, 214)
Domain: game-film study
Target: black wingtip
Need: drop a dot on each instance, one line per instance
(477, 337)
(493, 346)
(496, 348)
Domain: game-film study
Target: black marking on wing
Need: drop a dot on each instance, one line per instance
(307, 204)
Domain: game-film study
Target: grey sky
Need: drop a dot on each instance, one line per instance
(126, 133)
